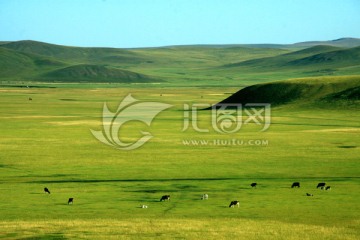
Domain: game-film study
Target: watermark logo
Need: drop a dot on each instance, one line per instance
(129, 109)
(228, 118)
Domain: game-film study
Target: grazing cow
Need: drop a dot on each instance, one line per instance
(309, 194)
(295, 184)
(328, 188)
(46, 190)
(143, 206)
(205, 197)
(234, 203)
(253, 184)
(165, 198)
(71, 201)
(321, 185)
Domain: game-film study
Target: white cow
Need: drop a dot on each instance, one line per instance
(205, 197)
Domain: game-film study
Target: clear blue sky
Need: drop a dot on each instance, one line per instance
(147, 23)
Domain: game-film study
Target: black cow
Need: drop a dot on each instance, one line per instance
(309, 194)
(295, 184)
(253, 184)
(165, 198)
(321, 185)
(234, 203)
(30, 99)
(328, 188)
(46, 190)
(71, 201)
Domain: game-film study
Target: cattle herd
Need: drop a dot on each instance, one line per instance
(234, 203)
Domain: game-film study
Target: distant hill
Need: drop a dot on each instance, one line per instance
(341, 42)
(232, 65)
(96, 73)
(344, 57)
(14, 63)
(312, 55)
(11, 60)
(300, 91)
(68, 53)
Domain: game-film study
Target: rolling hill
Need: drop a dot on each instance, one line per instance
(300, 91)
(66, 53)
(341, 42)
(232, 65)
(344, 57)
(90, 73)
(314, 55)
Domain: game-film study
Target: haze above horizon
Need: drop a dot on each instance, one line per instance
(142, 23)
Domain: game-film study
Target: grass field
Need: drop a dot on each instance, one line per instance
(47, 142)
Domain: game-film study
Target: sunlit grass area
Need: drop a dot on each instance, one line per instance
(46, 142)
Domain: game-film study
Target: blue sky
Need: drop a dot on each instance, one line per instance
(149, 23)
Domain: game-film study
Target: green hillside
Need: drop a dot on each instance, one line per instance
(341, 42)
(314, 55)
(11, 60)
(87, 72)
(301, 92)
(344, 57)
(71, 54)
(196, 65)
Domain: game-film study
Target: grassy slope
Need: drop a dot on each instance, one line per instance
(323, 91)
(280, 60)
(96, 73)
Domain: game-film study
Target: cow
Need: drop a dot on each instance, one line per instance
(309, 194)
(253, 184)
(234, 203)
(205, 197)
(295, 184)
(46, 190)
(30, 99)
(328, 188)
(165, 198)
(321, 185)
(143, 206)
(70, 201)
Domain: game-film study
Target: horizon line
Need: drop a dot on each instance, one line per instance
(181, 45)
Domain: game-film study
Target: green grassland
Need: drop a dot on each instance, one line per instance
(47, 142)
